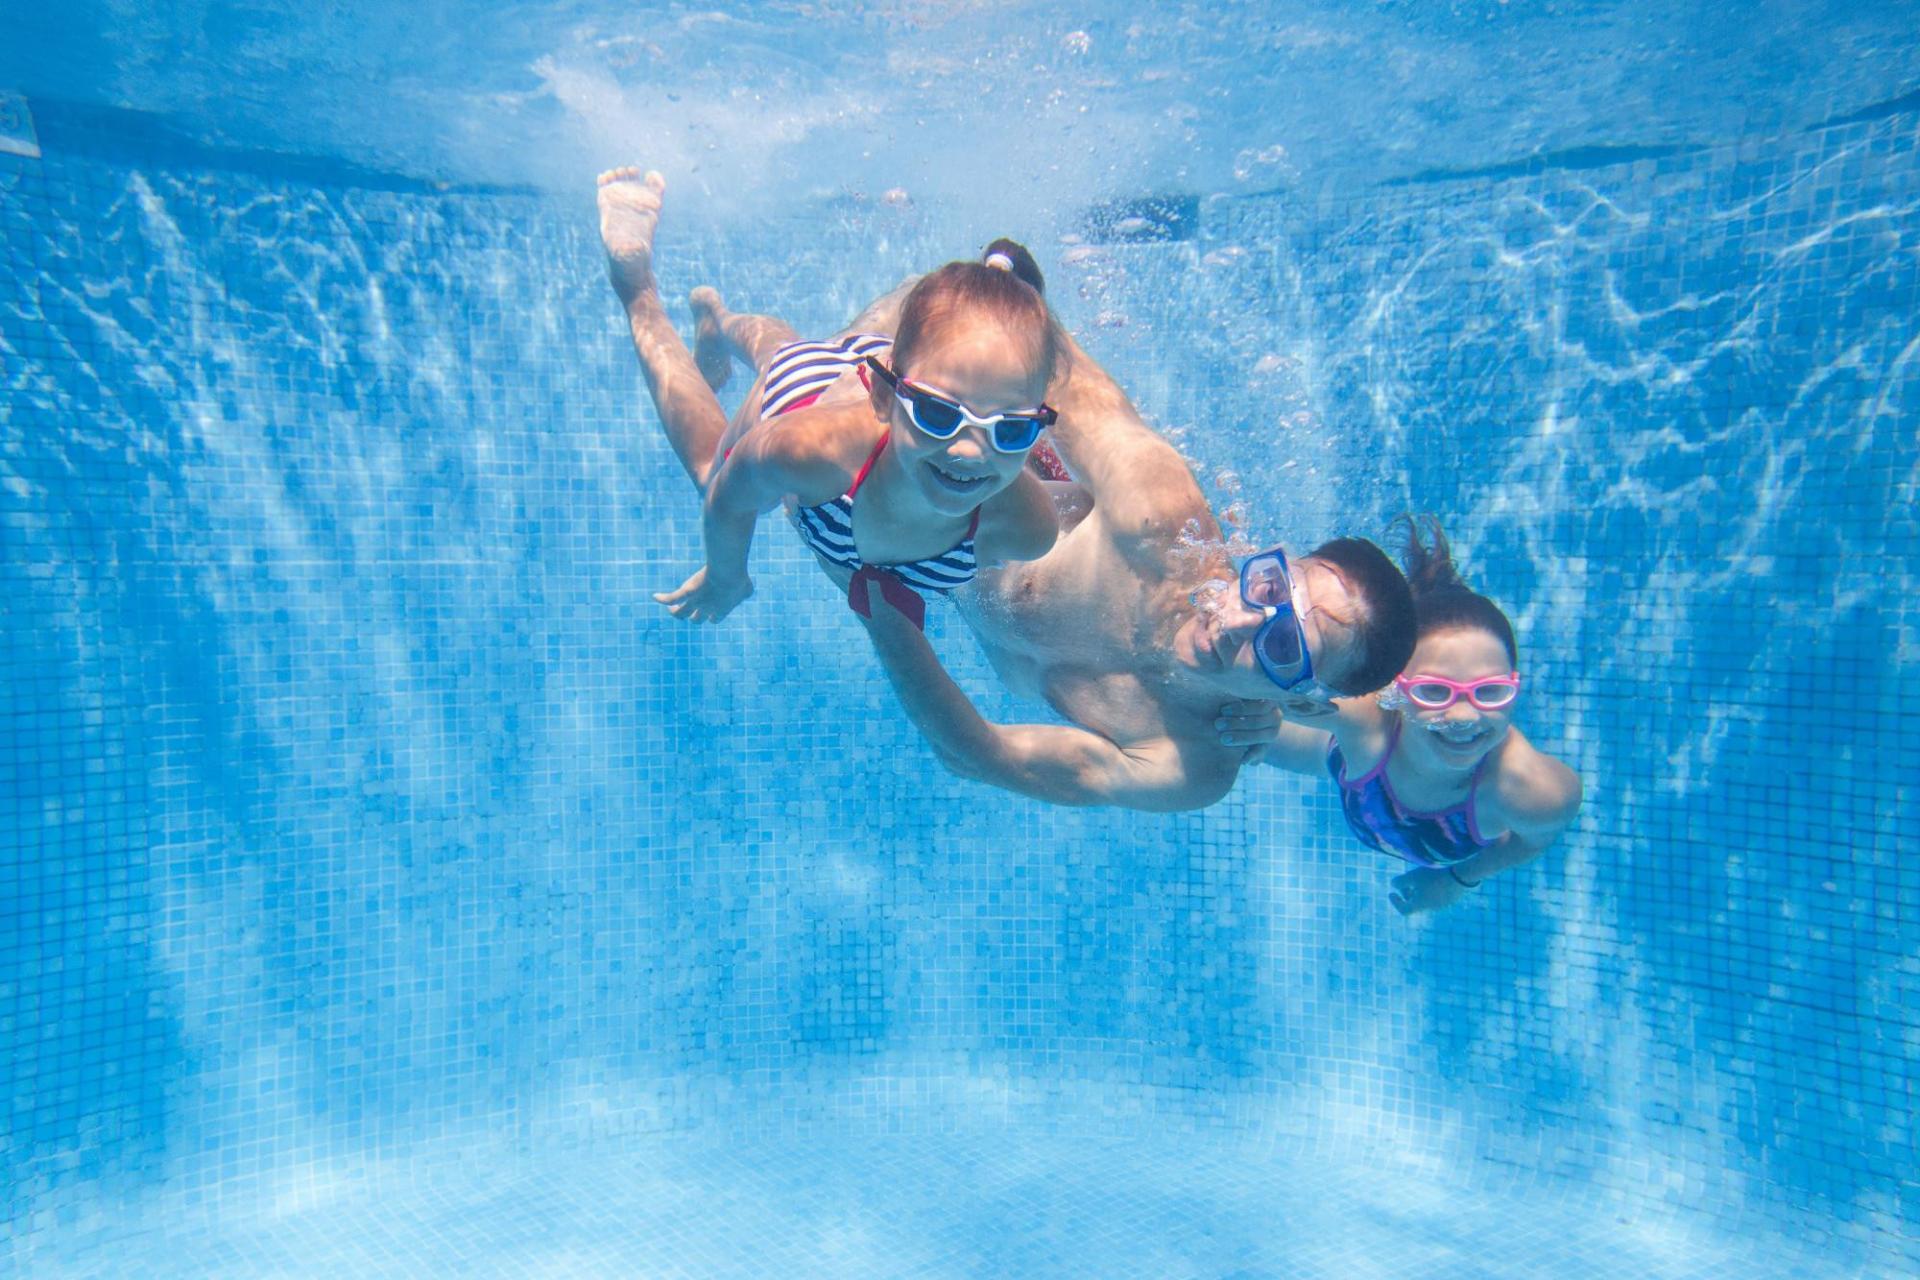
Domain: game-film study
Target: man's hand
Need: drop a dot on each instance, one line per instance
(1252, 725)
(704, 599)
(1424, 889)
(1306, 710)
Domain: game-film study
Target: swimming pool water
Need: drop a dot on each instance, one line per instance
(389, 888)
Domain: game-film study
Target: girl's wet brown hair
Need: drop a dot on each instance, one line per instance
(972, 293)
(1441, 599)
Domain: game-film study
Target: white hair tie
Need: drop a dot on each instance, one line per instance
(1000, 261)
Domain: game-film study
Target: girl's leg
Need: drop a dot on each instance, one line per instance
(720, 335)
(692, 417)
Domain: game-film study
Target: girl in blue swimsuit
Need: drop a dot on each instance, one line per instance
(1431, 770)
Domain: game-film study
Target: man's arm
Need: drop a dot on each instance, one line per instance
(1055, 763)
(882, 315)
(1298, 748)
(1141, 486)
(1299, 744)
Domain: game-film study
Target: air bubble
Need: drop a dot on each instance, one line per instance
(1249, 162)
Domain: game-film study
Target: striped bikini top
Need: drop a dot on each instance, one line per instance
(796, 376)
(1375, 814)
(800, 371)
(828, 530)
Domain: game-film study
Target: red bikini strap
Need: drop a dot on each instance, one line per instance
(867, 466)
(973, 525)
(905, 600)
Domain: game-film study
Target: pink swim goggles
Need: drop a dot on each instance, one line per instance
(1437, 693)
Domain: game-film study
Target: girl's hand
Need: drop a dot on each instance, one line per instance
(1424, 889)
(704, 599)
(1252, 725)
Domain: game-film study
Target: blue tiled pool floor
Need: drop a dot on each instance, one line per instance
(1172, 1202)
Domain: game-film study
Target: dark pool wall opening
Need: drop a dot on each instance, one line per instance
(356, 800)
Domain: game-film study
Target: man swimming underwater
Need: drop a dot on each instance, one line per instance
(1136, 627)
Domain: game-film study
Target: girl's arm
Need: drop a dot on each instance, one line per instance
(1535, 797)
(1299, 744)
(1531, 794)
(764, 467)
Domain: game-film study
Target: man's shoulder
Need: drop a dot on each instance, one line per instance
(1207, 770)
(1153, 534)
(1158, 492)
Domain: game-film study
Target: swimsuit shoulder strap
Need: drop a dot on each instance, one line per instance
(1379, 769)
(1479, 771)
(1468, 806)
(867, 466)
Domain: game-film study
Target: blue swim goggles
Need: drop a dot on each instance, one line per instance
(1280, 646)
(940, 417)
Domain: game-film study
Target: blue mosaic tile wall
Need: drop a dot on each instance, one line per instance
(1668, 413)
(356, 802)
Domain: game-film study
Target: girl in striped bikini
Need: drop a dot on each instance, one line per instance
(925, 435)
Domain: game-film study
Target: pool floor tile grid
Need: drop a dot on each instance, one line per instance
(1167, 1203)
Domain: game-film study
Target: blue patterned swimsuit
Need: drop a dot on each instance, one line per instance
(1376, 815)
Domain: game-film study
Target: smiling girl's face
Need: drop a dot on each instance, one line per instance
(990, 371)
(1457, 738)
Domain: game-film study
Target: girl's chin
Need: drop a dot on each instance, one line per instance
(1462, 751)
(952, 488)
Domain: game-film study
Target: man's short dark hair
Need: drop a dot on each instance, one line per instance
(1386, 626)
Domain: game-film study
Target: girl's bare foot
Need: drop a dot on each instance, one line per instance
(629, 212)
(711, 350)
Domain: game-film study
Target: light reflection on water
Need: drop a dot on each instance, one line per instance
(755, 104)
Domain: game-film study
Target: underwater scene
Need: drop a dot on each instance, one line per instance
(960, 639)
